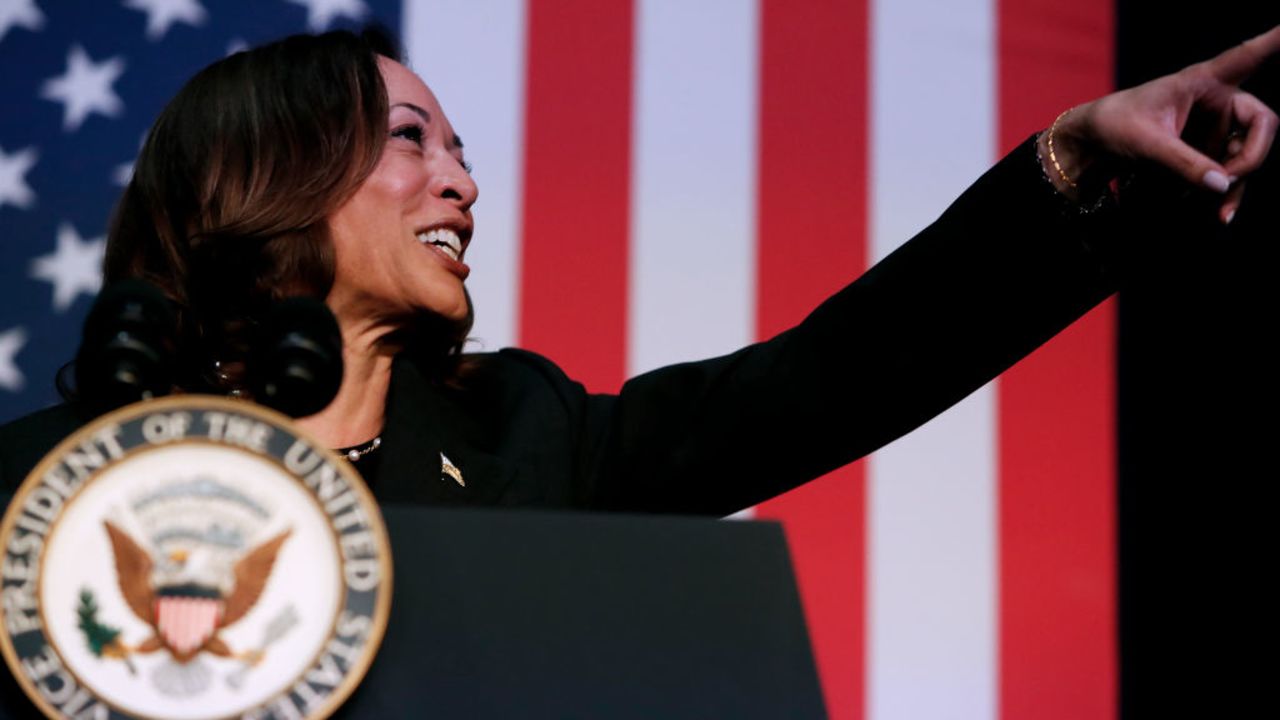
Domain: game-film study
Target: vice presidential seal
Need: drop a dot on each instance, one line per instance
(192, 557)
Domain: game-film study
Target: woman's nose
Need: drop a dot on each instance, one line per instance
(452, 182)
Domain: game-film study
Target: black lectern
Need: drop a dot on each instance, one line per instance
(549, 615)
(541, 615)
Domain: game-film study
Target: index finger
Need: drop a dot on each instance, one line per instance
(1236, 64)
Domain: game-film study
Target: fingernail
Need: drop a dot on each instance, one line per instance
(1230, 216)
(1233, 179)
(1216, 180)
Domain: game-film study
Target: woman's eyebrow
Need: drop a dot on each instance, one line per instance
(426, 116)
(457, 141)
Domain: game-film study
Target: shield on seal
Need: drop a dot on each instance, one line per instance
(187, 621)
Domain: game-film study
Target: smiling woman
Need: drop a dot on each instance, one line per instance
(273, 174)
(226, 209)
(321, 166)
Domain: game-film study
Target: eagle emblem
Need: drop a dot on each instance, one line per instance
(191, 556)
(187, 599)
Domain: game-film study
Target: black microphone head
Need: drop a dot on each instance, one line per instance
(127, 346)
(296, 366)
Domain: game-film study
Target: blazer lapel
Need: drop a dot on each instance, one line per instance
(424, 426)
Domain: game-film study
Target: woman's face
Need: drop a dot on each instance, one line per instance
(400, 239)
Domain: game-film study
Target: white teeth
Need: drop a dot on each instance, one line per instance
(445, 239)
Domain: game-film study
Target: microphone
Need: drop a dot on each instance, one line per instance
(127, 346)
(296, 364)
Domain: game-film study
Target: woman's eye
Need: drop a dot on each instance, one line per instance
(466, 166)
(412, 133)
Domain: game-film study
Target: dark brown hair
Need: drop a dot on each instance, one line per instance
(226, 212)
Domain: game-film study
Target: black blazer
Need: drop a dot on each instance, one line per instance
(1005, 268)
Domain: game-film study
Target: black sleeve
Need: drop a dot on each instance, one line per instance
(1006, 267)
(25, 441)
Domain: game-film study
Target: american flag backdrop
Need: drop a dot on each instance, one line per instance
(663, 180)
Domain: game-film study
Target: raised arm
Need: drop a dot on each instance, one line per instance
(1009, 265)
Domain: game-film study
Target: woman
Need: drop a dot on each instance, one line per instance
(321, 166)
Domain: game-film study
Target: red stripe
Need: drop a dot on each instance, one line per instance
(1058, 652)
(812, 187)
(573, 282)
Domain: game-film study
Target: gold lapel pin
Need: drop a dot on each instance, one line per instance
(448, 468)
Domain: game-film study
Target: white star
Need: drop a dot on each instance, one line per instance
(74, 268)
(23, 13)
(11, 341)
(122, 174)
(85, 88)
(13, 183)
(322, 12)
(162, 14)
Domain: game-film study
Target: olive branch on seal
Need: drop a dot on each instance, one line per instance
(104, 640)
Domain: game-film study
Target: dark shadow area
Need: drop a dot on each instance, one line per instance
(1197, 399)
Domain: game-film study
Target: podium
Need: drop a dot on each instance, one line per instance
(528, 614)
(547, 615)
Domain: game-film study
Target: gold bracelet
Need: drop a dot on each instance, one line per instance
(1053, 158)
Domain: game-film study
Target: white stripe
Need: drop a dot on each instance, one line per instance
(472, 56)
(692, 263)
(931, 595)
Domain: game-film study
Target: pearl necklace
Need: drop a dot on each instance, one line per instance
(356, 452)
